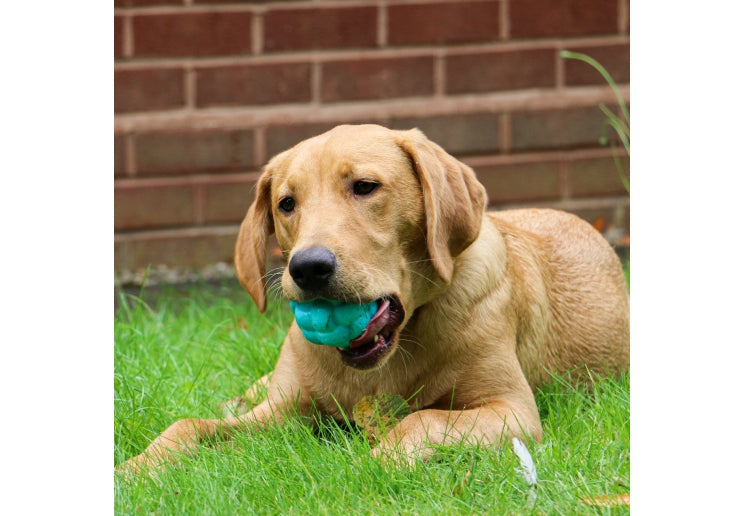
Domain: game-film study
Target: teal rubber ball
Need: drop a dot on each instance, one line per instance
(332, 323)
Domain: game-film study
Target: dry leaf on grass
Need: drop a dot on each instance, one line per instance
(240, 405)
(379, 413)
(608, 500)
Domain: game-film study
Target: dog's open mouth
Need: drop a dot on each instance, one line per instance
(376, 341)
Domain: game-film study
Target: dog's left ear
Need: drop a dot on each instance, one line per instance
(454, 200)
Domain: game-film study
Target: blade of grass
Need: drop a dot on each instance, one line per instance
(621, 126)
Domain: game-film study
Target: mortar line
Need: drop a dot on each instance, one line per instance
(316, 79)
(622, 18)
(505, 140)
(189, 79)
(128, 39)
(440, 74)
(504, 25)
(259, 146)
(251, 116)
(382, 25)
(257, 33)
(560, 69)
(564, 180)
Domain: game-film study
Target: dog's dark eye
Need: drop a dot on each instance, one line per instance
(287, 205)
(365, 187)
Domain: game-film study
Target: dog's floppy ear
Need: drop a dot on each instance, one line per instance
(454, 200)
(250, 249)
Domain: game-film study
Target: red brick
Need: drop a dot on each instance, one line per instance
(614, 58)
(377, 79)
(193, 151)
(138, 206)
(119, 155)
(148, 90)
(552, 129)
(118, 36)
(458, 134)
(192, 34)
(596, 177)
(449, 22)
(282, 137)
(253, 84)
(521, 181)
(137, 3)
(187, 249)
(197, 2)
(498, 71)
(320, 28)
(228, 201)
(560, 18)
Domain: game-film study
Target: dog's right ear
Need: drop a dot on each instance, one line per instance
(250, 249)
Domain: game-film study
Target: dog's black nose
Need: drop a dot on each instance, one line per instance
(312, 268)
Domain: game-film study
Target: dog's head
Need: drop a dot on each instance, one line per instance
(362, 213)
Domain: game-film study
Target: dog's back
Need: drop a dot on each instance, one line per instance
(573, 299)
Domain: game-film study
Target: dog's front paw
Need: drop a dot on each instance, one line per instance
(137, 466)
(181, 437)
(403, 453)
(405, 445)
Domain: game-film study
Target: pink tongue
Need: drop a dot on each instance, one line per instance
(377, 323)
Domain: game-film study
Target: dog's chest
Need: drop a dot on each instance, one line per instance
(420, 387)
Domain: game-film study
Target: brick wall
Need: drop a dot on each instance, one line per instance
(207, 91)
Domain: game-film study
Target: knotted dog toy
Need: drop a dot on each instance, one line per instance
(332, 323)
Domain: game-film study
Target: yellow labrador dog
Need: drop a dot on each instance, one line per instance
(474, 310)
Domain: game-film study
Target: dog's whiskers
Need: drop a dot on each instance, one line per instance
(423, 260)
(373, 274)
(416, 273)
(273, 286)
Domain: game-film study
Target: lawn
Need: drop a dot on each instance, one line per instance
(181, 352)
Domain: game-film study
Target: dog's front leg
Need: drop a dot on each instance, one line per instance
(492, 423)
(284, 399)
(185, 435)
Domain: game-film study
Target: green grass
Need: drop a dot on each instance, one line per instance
(181, 354)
